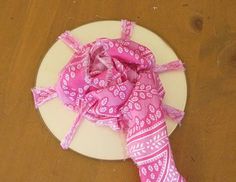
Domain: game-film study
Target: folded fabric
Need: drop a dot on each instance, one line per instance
(115, 83)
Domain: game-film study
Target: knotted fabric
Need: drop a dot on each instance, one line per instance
(115, 83)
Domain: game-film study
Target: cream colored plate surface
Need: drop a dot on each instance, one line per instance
(91, 140)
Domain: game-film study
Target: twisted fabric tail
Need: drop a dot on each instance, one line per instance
(66, 141)
(171, 66)
(42, 95)
(173, 113)
(127, 29)
(71, 41)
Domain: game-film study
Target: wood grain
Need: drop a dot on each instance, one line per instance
(203, 33)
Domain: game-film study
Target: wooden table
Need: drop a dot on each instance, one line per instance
(203, 33)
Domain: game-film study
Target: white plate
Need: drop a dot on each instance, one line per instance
(91, 140)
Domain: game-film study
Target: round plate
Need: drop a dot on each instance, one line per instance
(91, 140)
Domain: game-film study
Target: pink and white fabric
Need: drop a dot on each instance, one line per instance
(115, 83)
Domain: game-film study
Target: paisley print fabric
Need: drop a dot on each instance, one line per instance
(115, 83)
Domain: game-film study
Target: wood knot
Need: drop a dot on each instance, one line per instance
(197, 23)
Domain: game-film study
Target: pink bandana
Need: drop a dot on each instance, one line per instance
(115, 83)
